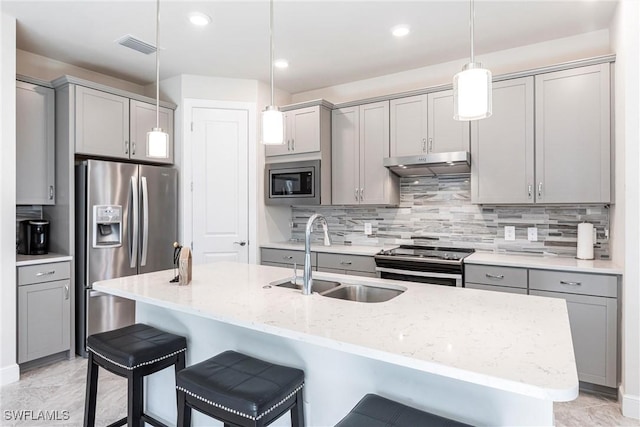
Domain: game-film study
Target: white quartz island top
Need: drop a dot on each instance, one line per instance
(519, 344)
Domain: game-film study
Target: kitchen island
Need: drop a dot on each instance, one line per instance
(480, 357)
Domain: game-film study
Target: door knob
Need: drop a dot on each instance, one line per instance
(242, 243)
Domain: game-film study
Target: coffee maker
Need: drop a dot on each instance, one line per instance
(33, 237)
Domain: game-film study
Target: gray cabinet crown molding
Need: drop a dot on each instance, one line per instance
(305, 104)
(66, 80)
(525, 73)
(33, 80)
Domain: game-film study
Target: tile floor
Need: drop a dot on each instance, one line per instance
(59, 390)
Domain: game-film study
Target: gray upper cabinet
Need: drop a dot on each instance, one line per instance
(573, 136)
(102, 123)
(360, 141)
(306, 130)
(424, 124)
(35, 144)
(502, 146)
(143, 119)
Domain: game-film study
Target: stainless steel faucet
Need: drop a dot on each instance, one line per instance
(307, 281)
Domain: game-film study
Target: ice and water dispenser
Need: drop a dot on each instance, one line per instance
(107, 226)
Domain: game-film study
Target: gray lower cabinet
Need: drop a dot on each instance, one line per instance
(285, 258)
(593, 315)
(496, 278)
(44, 310)
(355, 265)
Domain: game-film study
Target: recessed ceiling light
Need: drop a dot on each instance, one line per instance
(281, 63)
(199, 19)
(400, 30)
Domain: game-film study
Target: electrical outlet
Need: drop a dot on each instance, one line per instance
(509, 232)
(532, 234)
(367, 228)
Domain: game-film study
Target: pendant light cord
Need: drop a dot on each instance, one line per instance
(157, 64)
(471, 19)
(271, 48)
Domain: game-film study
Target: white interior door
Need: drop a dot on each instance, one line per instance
(220, 194)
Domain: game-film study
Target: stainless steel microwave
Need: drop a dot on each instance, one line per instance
(293, 183)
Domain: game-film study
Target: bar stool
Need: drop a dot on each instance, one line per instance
(376, 411)
(131, 352)
(240, 390)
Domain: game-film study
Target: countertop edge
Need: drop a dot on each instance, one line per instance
(545, 263)
(41, 259)
(333, 249)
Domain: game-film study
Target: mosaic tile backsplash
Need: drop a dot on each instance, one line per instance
(438, 211)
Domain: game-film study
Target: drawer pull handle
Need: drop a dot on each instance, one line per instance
(287, 257)
(564, 282)
(345, 262)
(66, 291)
(45, 273)
(494, 276)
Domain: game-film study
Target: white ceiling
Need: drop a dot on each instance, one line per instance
(327, 42)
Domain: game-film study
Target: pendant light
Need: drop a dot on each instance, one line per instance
(272, 117)
(157, 139)
(472, 87)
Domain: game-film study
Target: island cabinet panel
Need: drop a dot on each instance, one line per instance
(496, 278)
(593, 316)
(573, 132)
(360, 142)
(285, 257)
(356, 265)
(102, 123)
(35, 144)
(424, 124)
(502, 146)
(44, 310)
(143, 119)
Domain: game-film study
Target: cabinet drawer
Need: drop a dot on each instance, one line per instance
(507, 289)
(496, 275)
(347, 262)
(43, 273)
(285, 256)
(574, 283)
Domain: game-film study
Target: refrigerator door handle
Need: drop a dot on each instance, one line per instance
(145, 221)
(133, 241)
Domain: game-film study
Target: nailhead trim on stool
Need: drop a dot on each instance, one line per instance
(150, 362)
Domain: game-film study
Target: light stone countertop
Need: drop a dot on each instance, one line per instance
(545, 262)
(516, 343)
(22, 260)
(333, 249)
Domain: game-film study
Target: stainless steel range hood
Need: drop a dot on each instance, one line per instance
(430, 164)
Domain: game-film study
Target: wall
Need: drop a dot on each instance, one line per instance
(41, 67)
(626, 249)
(9, 371)
(506, 61)
(438, 211)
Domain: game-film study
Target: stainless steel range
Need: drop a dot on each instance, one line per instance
(425, 264)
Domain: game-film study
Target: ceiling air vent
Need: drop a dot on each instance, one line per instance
(136, 44)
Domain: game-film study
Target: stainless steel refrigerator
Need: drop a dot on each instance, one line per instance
(126, 223)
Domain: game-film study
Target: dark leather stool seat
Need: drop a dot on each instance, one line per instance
(376, 411)
(132, 352)
(240, 390)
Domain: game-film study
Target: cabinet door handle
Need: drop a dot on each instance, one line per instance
(564, 282)
(51, 192)
(361, 194)
(356, 194)
(530, 190)
(430, 144)
(133, 148)
(126, 147)
(287, 257)
(494, 276)
(345, 262)
(424, 145)
(540, 190)
(66, 291)
(45, 273)
(293, 145)
(288, 145)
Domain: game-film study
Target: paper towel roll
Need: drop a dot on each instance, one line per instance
(585, 241)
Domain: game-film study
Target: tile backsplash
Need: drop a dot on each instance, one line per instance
(438, 211)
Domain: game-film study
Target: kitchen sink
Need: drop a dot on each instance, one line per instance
(363, 293)
(318, 285)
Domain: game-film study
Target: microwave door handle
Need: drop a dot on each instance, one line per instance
(134, 220)
(145, 222)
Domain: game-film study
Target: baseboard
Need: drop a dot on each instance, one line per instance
(630, 404)
(9, 374)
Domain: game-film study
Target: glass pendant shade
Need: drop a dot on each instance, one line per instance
(158, 144)
(272, 126)
(472, 93)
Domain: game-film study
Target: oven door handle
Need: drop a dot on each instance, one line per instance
(419, 273)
